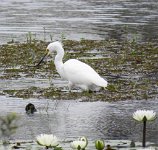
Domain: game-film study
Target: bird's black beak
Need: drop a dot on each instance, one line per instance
(42, 58)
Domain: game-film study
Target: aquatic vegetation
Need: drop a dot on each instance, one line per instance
(99, 144)
(79, 144)
(8, 126)
(139, 115)
(144, 116)
(76, 145)
(47, 140)
(129, 67)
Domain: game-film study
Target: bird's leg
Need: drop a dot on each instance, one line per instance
(88, 90)
(70, 85)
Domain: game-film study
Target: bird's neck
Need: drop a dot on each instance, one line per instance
(58, 61)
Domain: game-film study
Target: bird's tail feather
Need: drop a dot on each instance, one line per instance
(101, 82)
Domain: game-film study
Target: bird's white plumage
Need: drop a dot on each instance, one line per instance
(75, 71)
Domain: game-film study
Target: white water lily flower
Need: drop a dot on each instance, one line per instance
(83, 138)
(78, 143)
(48, 140)
(140, 114)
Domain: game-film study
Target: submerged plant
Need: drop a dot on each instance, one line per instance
(144, 116)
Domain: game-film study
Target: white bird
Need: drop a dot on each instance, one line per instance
(74, 71)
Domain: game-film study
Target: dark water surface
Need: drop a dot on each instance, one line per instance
(77, 19)
(71, 119)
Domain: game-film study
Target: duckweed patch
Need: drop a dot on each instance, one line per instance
(130, 68)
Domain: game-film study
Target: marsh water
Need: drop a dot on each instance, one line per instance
(74, 118)
(89, 19)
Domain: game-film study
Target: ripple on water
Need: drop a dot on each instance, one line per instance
(75, 20)
(69, 119)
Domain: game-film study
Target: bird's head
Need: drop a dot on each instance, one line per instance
(55, 46)
(52, 47)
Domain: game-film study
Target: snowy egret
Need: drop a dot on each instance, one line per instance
(77, 73)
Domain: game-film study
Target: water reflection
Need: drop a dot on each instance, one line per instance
(70, 119)
(78, 19)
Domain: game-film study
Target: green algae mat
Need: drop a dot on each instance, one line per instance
(131, 69)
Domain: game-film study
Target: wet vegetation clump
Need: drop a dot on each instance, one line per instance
(129, 67)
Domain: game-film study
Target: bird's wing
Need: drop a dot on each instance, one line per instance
(79, 72)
